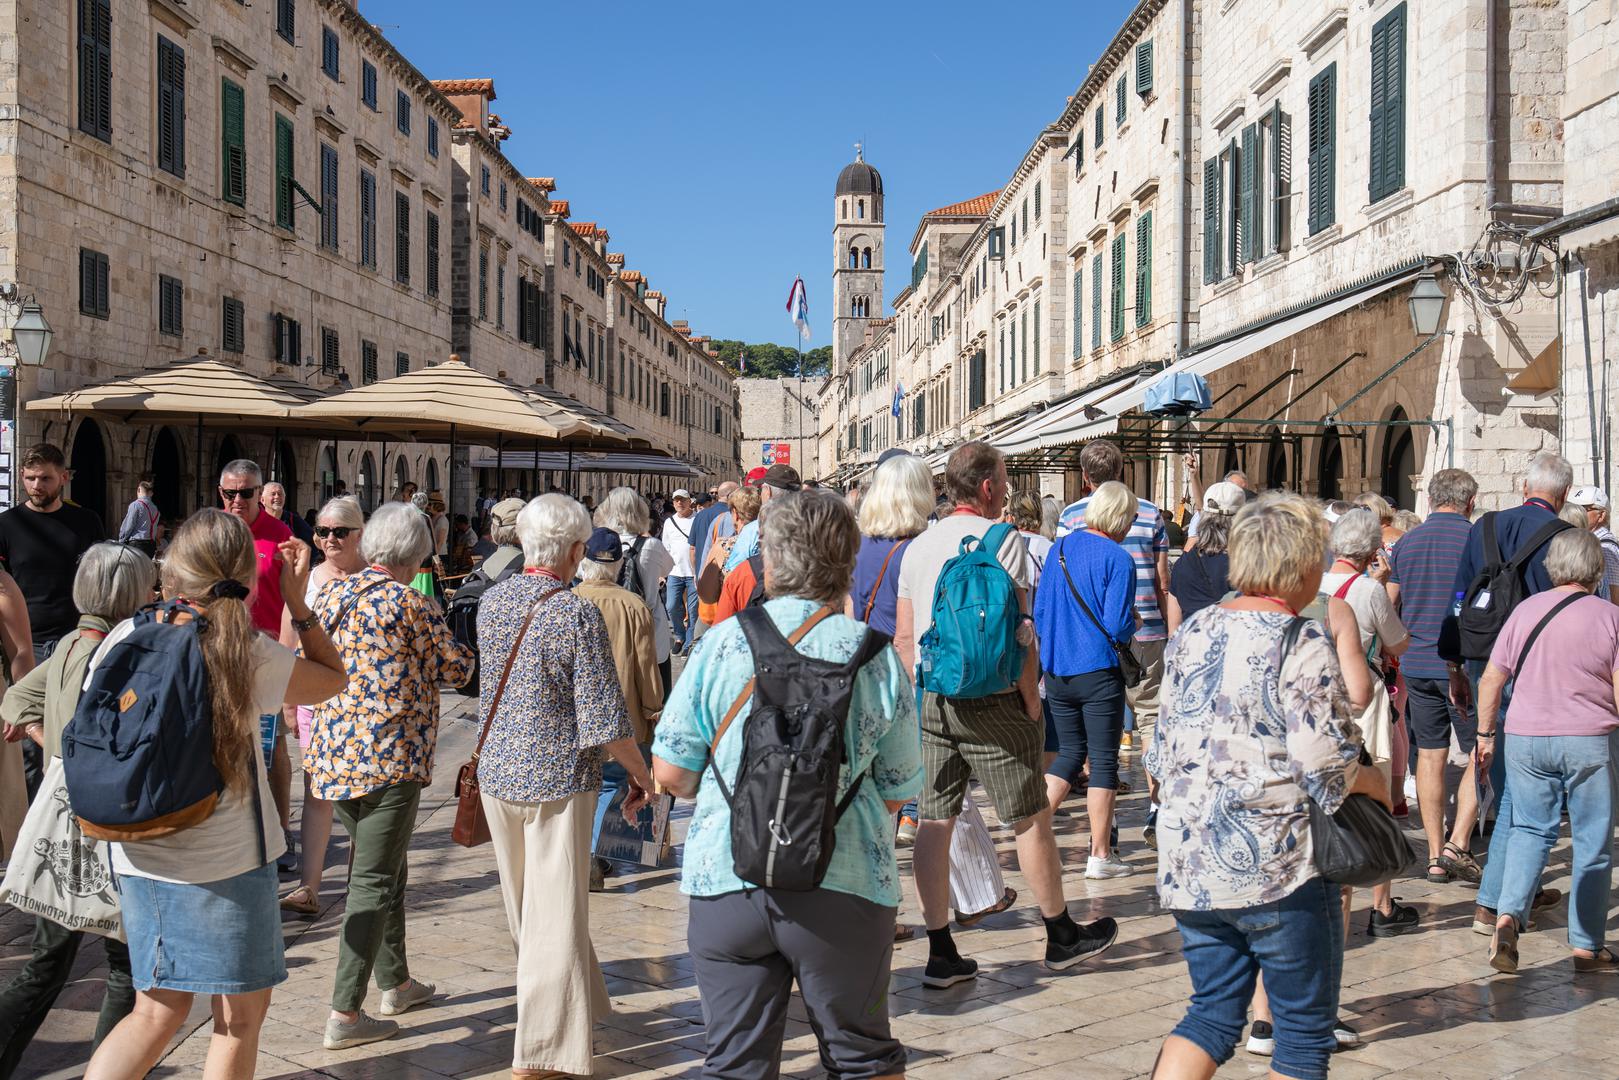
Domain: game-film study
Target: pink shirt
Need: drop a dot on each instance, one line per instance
(268, 531)
(1566, 685)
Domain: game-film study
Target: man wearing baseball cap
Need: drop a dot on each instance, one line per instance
(503, 531)
(777, 478)
(1595, 503)
(681, 594)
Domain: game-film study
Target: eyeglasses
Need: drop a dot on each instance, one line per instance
(237, 493)
(336, 532)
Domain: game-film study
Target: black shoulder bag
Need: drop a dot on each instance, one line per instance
(1129, 665)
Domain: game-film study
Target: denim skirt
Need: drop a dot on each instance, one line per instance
(222, 937)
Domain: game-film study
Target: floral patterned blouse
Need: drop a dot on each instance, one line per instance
(398, 650)
(1239, 751)
(881, 736)
(563, 702)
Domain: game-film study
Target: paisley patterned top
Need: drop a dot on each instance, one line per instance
(1238, 753)
(381, 730)
(563, 702)
(881, 735)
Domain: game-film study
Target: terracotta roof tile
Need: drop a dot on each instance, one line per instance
(465, 86)
(655, 294)
(544, 183)
(631, 277)
(978, 207)
(615, 258)
(559, 207)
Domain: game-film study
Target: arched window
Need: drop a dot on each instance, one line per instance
(845, 211)
(854, 257)
(1331, 470)
(1399, 463)
(860, 208)
(865, 259)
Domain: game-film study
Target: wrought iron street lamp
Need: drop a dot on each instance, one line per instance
(1427, 304)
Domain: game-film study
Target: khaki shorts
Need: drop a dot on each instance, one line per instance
(991, 738)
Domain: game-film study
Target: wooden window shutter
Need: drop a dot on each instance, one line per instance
(1037, 336)
(1323, 146)
(171, 107)
(1121, 95)
(1100, 123)
(1144, 68)
(1096, 301)
(1281, 175)
(1233, 238)
(1388, 105)
(87, 281)
(432, 253)
(231, 324)
(233, 142)
(368, 362)
(1144, 269)
(402, 238)
(328, 197)
(283, 173)
(1247, 214)
(1116, 312)
(329, 55)
(95, 68)
(368, 219)
(1079, 304)
(1211, 221)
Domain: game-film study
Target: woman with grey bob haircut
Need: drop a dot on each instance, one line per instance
(809, 542)
(548, 527)
(113, 581)
(1356, 536)
(1560, 648)
(396, 536)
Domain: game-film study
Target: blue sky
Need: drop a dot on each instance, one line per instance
(707, 137)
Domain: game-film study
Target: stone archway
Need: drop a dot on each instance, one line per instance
(166, 473)
(1276, 462)
(1330, 466)
(1399, 463)
(88, 461)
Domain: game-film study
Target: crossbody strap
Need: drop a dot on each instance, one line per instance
(871, 600)
(506, 672)
(1529, 642)
(1062, 560)
(1537, 540)
(747, 691)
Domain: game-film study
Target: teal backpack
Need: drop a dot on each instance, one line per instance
(971, 650)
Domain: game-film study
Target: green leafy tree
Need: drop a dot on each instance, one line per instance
(771, 361)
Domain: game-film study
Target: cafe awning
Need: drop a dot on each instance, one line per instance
(599, 461)
(191, 391)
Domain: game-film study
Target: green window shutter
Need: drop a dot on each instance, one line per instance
(1079, 303)
(1211, 221)
(1144, 68)
(1096, 301)
(233, 143)
(1116, 320)
(1144, 269)
(1281, 164)
(328, 197)
(1037, 337)
(1023, 319)
(1233, 222)
(1079, 150)
(1247, 211)
(1100, 122)
(1118, 108)
(1323, 148)
(283, 172)
(1388, 105)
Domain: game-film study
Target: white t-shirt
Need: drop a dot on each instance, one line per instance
(655, 565)
(925, 559)
(1373, 610)
(226, 843)
(677, 538)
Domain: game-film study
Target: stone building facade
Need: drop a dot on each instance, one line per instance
(777, 413)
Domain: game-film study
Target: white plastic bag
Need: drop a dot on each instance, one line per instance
(58, 873)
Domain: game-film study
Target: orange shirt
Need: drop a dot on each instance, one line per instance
(735, 592)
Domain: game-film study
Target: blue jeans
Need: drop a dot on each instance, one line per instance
(1541, 770)
(1489, 886)
(680, 598)
(1298, 943)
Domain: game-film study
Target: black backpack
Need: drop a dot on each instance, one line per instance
(462, 615)
(629, 574)
(785, 809)
(757, 596)
(1497, 589)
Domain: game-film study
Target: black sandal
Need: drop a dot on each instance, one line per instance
(1459, 863)
(1604, 962)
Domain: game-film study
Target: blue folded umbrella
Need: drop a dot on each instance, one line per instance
(1180, 394)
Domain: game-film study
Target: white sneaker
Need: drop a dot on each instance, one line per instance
(1110, 867)
(1410, 788)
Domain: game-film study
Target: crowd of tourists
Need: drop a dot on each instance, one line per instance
(862, 672)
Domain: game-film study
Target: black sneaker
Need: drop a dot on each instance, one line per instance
(1345, 1036)
(1402, 920)
(1261, 1039)
(1093, 938)
(288, 861)
(943, 971)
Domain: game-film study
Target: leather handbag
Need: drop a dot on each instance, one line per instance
(471, 828)
(1131, 669)
(1361, 844)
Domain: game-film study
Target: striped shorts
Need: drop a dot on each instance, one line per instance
(991, 738)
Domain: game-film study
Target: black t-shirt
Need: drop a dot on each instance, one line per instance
(42, 552)
(1198, 581)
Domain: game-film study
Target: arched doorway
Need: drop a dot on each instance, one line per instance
(1276, 462)
(286, 474)
(401, 473)
(1330, 469)
(89, 464)
(368, 482)
(432, 474)
(328, 473)
(166, 474)
(229, 450)
(1399, 462)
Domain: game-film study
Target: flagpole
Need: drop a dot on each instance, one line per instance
(799, 334)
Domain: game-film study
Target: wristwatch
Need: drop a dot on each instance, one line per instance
(303, 626)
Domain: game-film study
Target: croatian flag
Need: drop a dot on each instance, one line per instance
(798, 308)
(899, 396)
(742, 362)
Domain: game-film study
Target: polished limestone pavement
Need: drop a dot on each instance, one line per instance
(1426, 1004)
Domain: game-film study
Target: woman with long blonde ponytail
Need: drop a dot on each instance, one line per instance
(200, 906)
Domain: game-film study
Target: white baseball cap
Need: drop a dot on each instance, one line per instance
(1589, 496)
(681, 493)
(1224, 498)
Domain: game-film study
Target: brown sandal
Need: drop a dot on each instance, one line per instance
(902, 933)
(1008, 898)
(1604, 962)
(302, 900)
(1504, 948)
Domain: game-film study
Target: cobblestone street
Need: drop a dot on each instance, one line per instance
(1425, 1004)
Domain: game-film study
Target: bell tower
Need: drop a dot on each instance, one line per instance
(857, 256)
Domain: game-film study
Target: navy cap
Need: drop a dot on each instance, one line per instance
(604, 546)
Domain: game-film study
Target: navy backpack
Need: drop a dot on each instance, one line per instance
(138, 755)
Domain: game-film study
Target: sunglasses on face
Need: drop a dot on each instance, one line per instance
(237, 493)
(336, 532)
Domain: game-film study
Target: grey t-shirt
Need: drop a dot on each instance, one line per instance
(925, 559)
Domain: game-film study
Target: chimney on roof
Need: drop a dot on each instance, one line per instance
(471, 98)
(497, 130)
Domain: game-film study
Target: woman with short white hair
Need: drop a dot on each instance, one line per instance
(647, 563)
(552, 707)
(371, 752)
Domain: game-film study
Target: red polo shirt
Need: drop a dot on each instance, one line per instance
(266, 603)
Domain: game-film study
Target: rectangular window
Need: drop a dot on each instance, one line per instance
(95, 68)
(94, 297)
(283, 172)
(331, 351)
(503, 196)
(402, 238)
(1248, 184)
(483, 284)
(483, 179)
(402, 112)
(1037, 202)
(1144, 269)
(328, 197)
(1079, 304)
(1279, 137)
(1100, 122)
(1025, 219)
(1144, 68)
(1122, 95)
(233, 325)
(432, 136)
(1233, 222)
(368, 362)
(233, 143)
(329, 54)
(1388, 105)
(368, 84)
(170, 306)
(432, 253)
(171, 107)
(286, 18)
(368, 219)
(401, 363)
(1037, 336)
(1116, 311)
(1096, 301)
(286, 340)
(1323, 148)
(1211, 221)
(500, 299)
(1023, 322)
